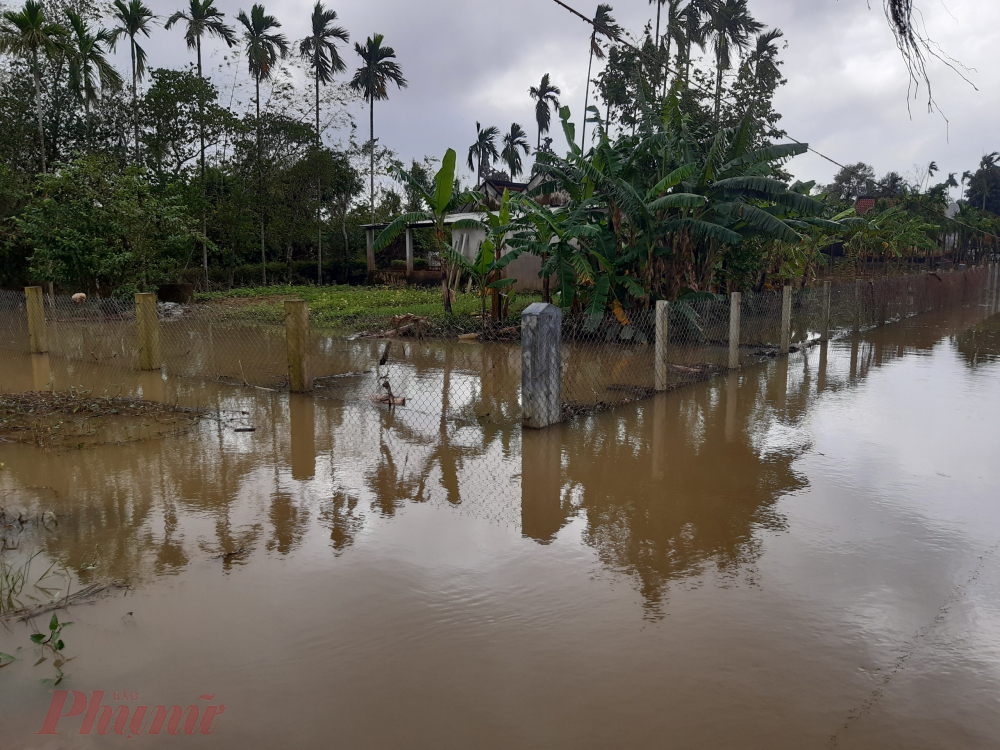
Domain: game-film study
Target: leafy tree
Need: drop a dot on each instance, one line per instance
(483, 152)
(372, 80)
(28, 33)
(853, 181)
(984, 184)
(545, 95)
(93, 227)
(133, 19)
(514, 142)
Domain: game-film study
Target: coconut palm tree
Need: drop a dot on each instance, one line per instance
(89, 68)
(545, 95)
(764, 56)
(319, 49)
(263, 47)
(513, 143)
(202, 19)
(730, 27)
(691, 24)
(372, 81)
(483, 152)
(28, 33)
(133, 18)
(603, 25)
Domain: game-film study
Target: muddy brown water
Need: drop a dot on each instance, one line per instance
(803, 554)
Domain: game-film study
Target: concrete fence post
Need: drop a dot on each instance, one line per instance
(541, 365)
(370, 247)
(786, 319)
(148, 331)
(734, 330)
(409, 251)
(297, 345)
(662, 331)
(824, 327)
(38, 338)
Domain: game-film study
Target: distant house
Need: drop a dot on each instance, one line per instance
(864, 204)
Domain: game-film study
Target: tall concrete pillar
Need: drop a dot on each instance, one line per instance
(662, 330)
(734, 330)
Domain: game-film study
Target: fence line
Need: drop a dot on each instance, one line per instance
(430, 370)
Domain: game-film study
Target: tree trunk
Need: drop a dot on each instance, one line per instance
(586, 96)
(260, 185)
(135, 104)
(38, 109)
(371, 171)
(718, 87)
(204, 192)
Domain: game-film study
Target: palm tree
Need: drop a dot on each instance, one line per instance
(513, 143)
(690, 21)
(730, 27)
(483, 152)
(89, 69)
(27, 32)
(263, 46)
(202, 18)
(320, 50)
(765, 56)
(605, 25)
(133, 19)
(544, 94)
(372, 81)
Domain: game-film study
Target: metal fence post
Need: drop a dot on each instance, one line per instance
(824, 329)
(297, 345)
(37, 335)
(148, 331)
(786, 318)
(541, 365)
(734, 330)
(662, 330)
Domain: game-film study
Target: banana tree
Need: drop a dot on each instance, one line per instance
(480, 270)
(445, 200)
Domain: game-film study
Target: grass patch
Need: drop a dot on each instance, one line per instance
(358, 307)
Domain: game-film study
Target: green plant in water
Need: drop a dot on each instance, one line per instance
(54, 645)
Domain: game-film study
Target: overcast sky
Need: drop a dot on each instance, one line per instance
(470, 60)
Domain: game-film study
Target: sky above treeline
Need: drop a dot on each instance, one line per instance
(473, 60)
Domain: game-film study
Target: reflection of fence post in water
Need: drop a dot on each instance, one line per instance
(662, 330)
(153, 387)
(732, 389)
(37, 335)
(541, 365)
(302, 415)
(781, 382)
(824, 328)
(297, 345)
(857, 305)
(734, 330)
(41, 373)
(542, 513)
(148, 330)
(821, 378)
(786, 318)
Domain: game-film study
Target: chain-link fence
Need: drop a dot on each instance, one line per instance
(463, 369)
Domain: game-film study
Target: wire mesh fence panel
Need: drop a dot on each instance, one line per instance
(460, 373)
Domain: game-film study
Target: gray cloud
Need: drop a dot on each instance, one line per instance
(470, 60)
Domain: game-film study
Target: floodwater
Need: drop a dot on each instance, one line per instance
(804, 554)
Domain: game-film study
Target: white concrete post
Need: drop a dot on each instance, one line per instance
(786, 318)
(734, 330)
(148, 330)
(541, 365)
(824, 329)
(662, 330)
(409, 251)
(37, 335)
